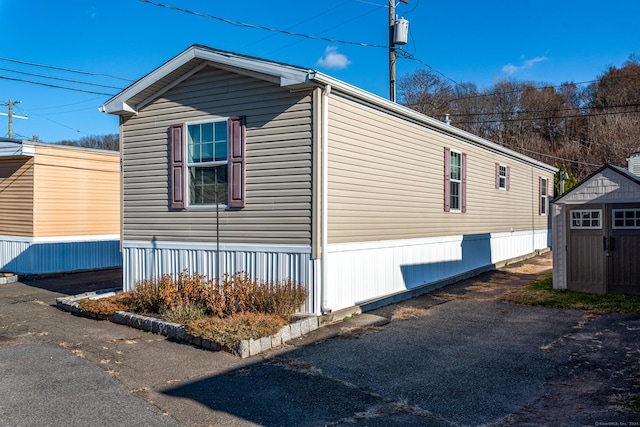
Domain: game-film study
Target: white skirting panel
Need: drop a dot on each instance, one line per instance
(149, 260)
(361, 272)
(55, 255)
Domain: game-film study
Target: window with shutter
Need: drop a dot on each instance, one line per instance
(177, 185)
(207, 164)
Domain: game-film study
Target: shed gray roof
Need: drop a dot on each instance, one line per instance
(614, 173)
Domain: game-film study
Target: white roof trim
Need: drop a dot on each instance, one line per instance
(287, 75)
(290, 76)
(419, 117)
(15, 149)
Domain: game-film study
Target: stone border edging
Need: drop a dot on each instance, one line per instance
(8, 278)
(243, 348)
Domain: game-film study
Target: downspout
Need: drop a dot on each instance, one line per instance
(325, 198)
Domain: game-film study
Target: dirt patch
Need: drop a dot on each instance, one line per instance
(600, 382)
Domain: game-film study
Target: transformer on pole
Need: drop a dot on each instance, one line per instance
(398, 34)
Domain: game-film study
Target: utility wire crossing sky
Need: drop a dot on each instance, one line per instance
(66, 62)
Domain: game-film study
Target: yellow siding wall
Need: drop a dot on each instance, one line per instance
(386, 182)
(16, 197)
(76, 192)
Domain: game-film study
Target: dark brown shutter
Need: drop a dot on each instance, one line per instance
(237, 173)
(178, 190)
(497, 176)
(463, 190)
(447, 179)
(508, 178)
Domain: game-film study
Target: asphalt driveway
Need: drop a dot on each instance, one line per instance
(468, 360)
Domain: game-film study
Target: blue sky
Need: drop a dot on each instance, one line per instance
(468, 40)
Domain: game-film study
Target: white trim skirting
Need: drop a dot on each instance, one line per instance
(148, 260)
(361, 272)
(24, 255)
(357, 273)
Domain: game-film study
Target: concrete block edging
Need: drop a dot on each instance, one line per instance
(242, 349)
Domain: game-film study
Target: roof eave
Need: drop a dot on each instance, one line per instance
(287, 75)
(430, 121)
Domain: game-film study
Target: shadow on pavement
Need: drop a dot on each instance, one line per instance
(79, 282)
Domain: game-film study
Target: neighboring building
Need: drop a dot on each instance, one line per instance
(356, 197)
(596, 234)
(59, 208)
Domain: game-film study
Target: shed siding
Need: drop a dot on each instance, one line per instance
(278, 163)
(386, 182)
(16, 197)
(76, 192)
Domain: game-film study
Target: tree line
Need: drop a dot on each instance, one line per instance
(109, 142)
(580, 126)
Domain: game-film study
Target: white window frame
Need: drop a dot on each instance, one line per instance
(635, 219)
(502, 177)
(457, 182)
(213, 164)
(586, 219)
(544, 197)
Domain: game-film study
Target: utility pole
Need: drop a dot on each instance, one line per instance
(392, 49)
(10, 103)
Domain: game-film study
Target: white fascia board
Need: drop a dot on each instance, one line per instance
(16, 149)
(431, 122)
(119, 103)
(287, 75)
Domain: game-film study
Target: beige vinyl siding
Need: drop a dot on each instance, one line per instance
(278, 162)
(386, 182)
(16, 197)
(76, 192)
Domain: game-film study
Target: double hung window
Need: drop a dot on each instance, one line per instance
(207, 163)
(544, 197)
(455, 181)
(502, 177)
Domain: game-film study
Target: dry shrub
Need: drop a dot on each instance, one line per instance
(283, 298)
(153, 296)
(403, 313)
(224, 297)
(108, 305)
(241, 326)
(185, 314)
(190, 290)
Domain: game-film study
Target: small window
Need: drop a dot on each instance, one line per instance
(455, 180)
(543, 196)
(207, 163)
(502, 177)
(586, 219)
(626, 218)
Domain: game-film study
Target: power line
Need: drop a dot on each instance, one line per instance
(524, 89)
(65, 69)
(544, 111)
(523, 119)
(260, 27)
(55, 86)
(60, 79)
(555, 157)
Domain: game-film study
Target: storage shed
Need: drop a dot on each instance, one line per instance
(596, 234)
(235, 163)
(59, 208)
